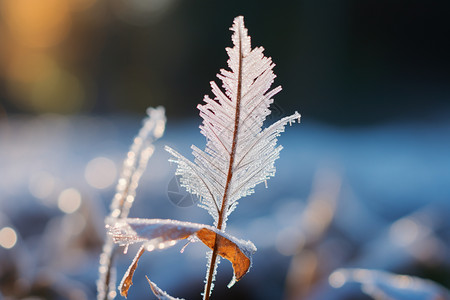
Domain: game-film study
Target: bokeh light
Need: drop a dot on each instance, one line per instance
(289, 240)
(69, 201)
(337, 279)
(404, 232)
(73, 224)
(8, 237)
(41, 185)
(100, 173)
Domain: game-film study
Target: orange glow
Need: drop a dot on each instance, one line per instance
(36, 23)
(23, 65)
(38, 83)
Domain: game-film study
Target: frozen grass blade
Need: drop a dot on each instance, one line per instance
(133, 167)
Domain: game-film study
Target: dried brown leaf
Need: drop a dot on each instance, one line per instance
(128, 276)
(227, 249)
(161, 233)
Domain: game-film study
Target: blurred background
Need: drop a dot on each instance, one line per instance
(363, 181)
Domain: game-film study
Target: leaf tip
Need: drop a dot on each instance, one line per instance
(152, 285)
(160, 294)
(128, 276)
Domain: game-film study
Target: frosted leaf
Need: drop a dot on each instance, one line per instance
(387, 286)
(156, 232)
(239, 154)
(160, 294)
(127, 282)
(250, 171)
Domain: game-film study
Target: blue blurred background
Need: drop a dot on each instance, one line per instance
(363, 181)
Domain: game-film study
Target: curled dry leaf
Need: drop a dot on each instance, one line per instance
(227, 249)
(163, 233)
(160, 294)
(128, 276)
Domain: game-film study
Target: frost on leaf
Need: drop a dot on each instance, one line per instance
(239, 153)
(160, 294)
(228, 250)
(162, 233)
(384, 285)
(127, 278)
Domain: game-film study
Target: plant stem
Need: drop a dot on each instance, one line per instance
(110, 263)
(223, 208)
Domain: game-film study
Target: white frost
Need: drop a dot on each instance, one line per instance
(159, 293)
(239, 154)
(133, 167)
(256, 149)
(167, 231)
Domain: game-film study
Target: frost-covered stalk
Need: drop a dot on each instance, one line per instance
(133, 167)
(239, 154)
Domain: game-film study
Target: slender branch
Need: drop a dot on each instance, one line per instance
(222, 212)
